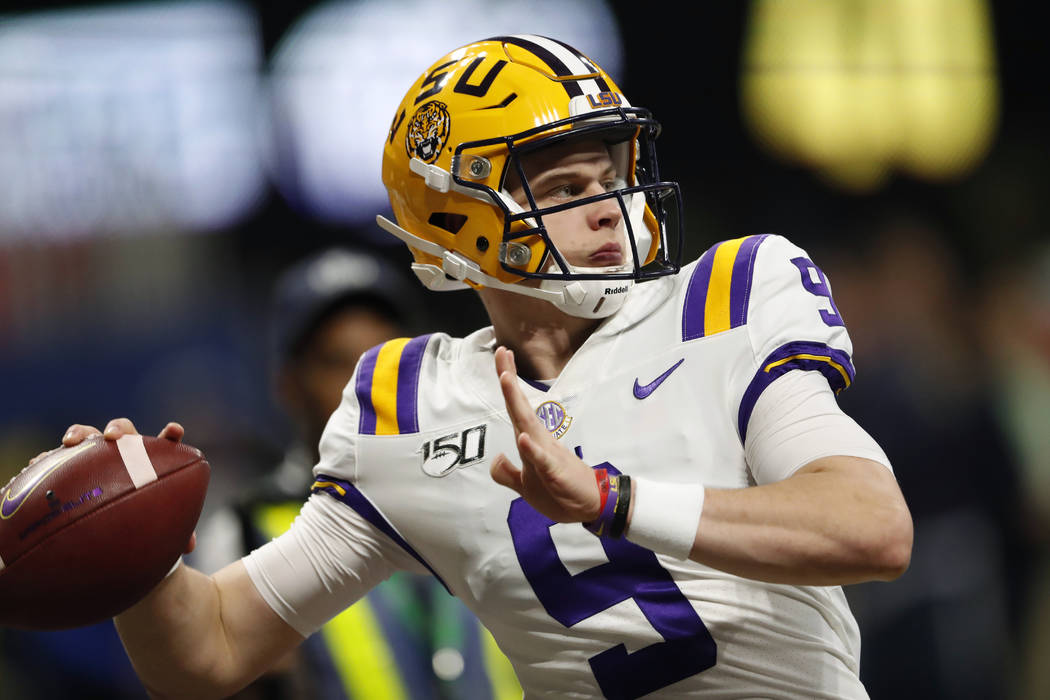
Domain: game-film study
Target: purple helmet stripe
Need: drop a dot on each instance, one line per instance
(740, 286)
(367, 423)
(602, 85)
(408, 385)
(347, 493)
(696, 296)
(835, 365)
(556, 65)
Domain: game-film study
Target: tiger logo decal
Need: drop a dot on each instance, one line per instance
(428, 131)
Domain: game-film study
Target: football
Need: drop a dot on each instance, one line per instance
(87, 531)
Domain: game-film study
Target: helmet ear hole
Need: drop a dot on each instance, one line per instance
(447, 221)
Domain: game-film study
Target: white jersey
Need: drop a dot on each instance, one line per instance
(662, 390)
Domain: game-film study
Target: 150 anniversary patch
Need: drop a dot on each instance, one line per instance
(444, 455)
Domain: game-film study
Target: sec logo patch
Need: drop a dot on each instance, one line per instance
(554, 418)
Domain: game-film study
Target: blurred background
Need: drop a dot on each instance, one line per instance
(161, 162)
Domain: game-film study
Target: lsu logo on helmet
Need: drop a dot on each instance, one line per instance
(428, 131)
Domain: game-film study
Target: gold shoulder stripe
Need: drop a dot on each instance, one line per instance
(384, 386)
(716, 309)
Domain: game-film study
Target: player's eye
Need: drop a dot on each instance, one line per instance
(563, 191)
(613, 184)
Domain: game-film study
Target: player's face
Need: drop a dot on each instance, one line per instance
(587, 236)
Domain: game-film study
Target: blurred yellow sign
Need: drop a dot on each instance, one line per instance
(856, 89)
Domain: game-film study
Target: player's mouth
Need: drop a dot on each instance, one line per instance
(609, 255)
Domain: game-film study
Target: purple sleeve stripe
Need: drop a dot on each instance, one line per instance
(408, 372)
(347, 493)
(696, 296)
(743, 271)
(367, 423)
(835, 365)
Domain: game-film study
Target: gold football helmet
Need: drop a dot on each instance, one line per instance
(463, 127)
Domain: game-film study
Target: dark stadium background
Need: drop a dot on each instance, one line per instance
(945, 286)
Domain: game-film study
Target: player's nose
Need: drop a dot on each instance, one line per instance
(605, 213)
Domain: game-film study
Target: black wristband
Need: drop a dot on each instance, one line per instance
(623, 505)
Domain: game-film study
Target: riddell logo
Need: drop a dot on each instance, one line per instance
(616, 290)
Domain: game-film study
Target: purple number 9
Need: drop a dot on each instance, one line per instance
(631, 572)
(820, 287)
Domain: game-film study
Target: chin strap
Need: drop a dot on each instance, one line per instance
(581, 298)
(590, 298)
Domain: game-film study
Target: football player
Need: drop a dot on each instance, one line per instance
(685, 416)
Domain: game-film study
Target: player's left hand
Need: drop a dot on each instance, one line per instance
(551, 478)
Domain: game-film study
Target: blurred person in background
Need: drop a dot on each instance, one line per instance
(949, 627)
(408, 638)
(1015, 310)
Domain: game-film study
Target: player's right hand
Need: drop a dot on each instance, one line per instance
(551, 478)
(117, 427)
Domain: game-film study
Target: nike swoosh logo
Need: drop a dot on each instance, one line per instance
(11, 504)
(641, 392)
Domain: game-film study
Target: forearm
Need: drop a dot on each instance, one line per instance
(839, 520)
(184, 638)
(835, 520)
(174, 637)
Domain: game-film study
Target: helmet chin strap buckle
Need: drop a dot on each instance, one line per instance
(454, 269)
(575, 292)
(435, 279)
(456, 266)
(435, 177)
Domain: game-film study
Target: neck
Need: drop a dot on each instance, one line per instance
(542, 337)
